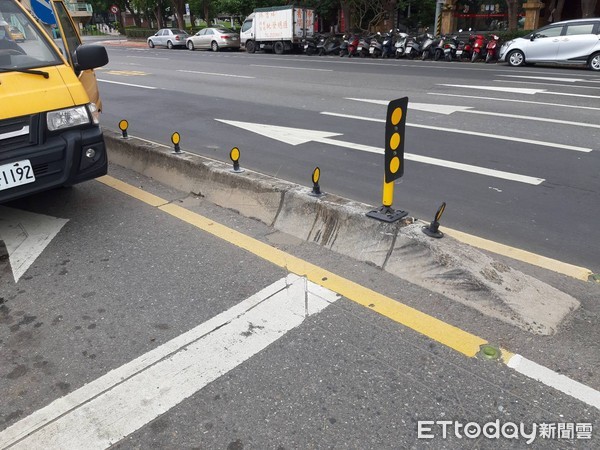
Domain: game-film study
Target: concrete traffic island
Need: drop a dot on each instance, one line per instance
(446, 266)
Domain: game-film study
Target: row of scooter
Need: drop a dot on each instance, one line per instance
(395, 44)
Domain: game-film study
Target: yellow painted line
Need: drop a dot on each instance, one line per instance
(442, 332)
(132, 191)
(580, 273)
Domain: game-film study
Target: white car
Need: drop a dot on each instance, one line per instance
(168, 37)
(215, 39)
(568, 42)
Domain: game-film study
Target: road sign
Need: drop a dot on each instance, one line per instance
(43, 11)
(114, 9)
(395, 125)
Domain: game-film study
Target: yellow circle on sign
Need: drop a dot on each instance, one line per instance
(316, 175)
(394, 164)
(396, 116)
(123, 125)
(234, 154)
(175, 138)
(395, 141)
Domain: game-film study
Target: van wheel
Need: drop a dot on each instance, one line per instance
(169, 45)
(516, 58)
(150, 44)
(190, 45)
(278, 48)
(214, 46)
(250, 47)
(594, 62)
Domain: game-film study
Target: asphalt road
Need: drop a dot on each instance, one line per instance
(545, 123)
(99, 309)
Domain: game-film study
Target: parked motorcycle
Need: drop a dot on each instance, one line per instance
(450, 48)
(310, 44)
(479, 47)
(329, 45)
(438, 48)
(387, 46)
(364, 43)
(413, 47)
(427, 46)
(376, 46)
(492, 48)
(400, 45)
(351, 45)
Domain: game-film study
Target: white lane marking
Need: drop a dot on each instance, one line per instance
(498, 89)
(127, 84)
(547, 84)
(293, 68)
(451, 109)
(571, 95)
(297, 136)
(26, 235)
(516, 101)
(560, 382)
(471, 133)
(215, 74)
(103, 412)
(566, 80)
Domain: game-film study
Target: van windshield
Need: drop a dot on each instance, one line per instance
(22, 45)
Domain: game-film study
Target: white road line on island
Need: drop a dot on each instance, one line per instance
(566, 80)
(515, 101)
(471, 133)
(103, 412)
(215, 74)
(516, 90)
(555, 380)
(127, 84)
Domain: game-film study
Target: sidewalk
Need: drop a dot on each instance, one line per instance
(115, 41)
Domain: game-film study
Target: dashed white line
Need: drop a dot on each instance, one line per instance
(127, 84)
(215, 74)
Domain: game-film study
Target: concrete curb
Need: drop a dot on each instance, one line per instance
(446, 266)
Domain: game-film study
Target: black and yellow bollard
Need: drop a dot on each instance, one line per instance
(395, 125)
(234, 155)
(433, 229)
(123, 125)
(176, 139)
(316, 190)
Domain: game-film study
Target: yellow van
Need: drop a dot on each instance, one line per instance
(49, 102)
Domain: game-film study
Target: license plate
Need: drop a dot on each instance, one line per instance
(305, 46)
(459, 52)
(372, 50)
(359, 49)
(15, 174)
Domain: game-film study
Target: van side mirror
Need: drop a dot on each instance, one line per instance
(90, 56)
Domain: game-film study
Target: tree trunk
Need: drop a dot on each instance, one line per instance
(513, 11)
(207, 17)
(588, 8)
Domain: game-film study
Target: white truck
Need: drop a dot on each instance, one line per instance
(280, 28)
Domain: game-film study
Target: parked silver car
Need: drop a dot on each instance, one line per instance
(214, 38)
(168, 37)
(568, 42)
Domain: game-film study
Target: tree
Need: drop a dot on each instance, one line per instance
(513, 14)
(554, 10)
(588, 8)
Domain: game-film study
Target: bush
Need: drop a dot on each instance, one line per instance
(138, 33)
(510, 35)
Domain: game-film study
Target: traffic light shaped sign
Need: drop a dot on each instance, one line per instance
(394, 139)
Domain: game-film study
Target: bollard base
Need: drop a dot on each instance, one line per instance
(237, 170)
(432, 233)
(387, 214)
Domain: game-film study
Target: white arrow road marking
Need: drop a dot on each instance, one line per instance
(511, 100)
(519, 90)
(470, 133)
(450, 109)
(26, 235)
(296, 136)
(547, 84)
(103, 412)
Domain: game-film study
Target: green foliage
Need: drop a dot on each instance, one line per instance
(139, 33)
(510, 35)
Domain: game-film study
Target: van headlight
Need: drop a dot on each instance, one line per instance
(67, 118)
